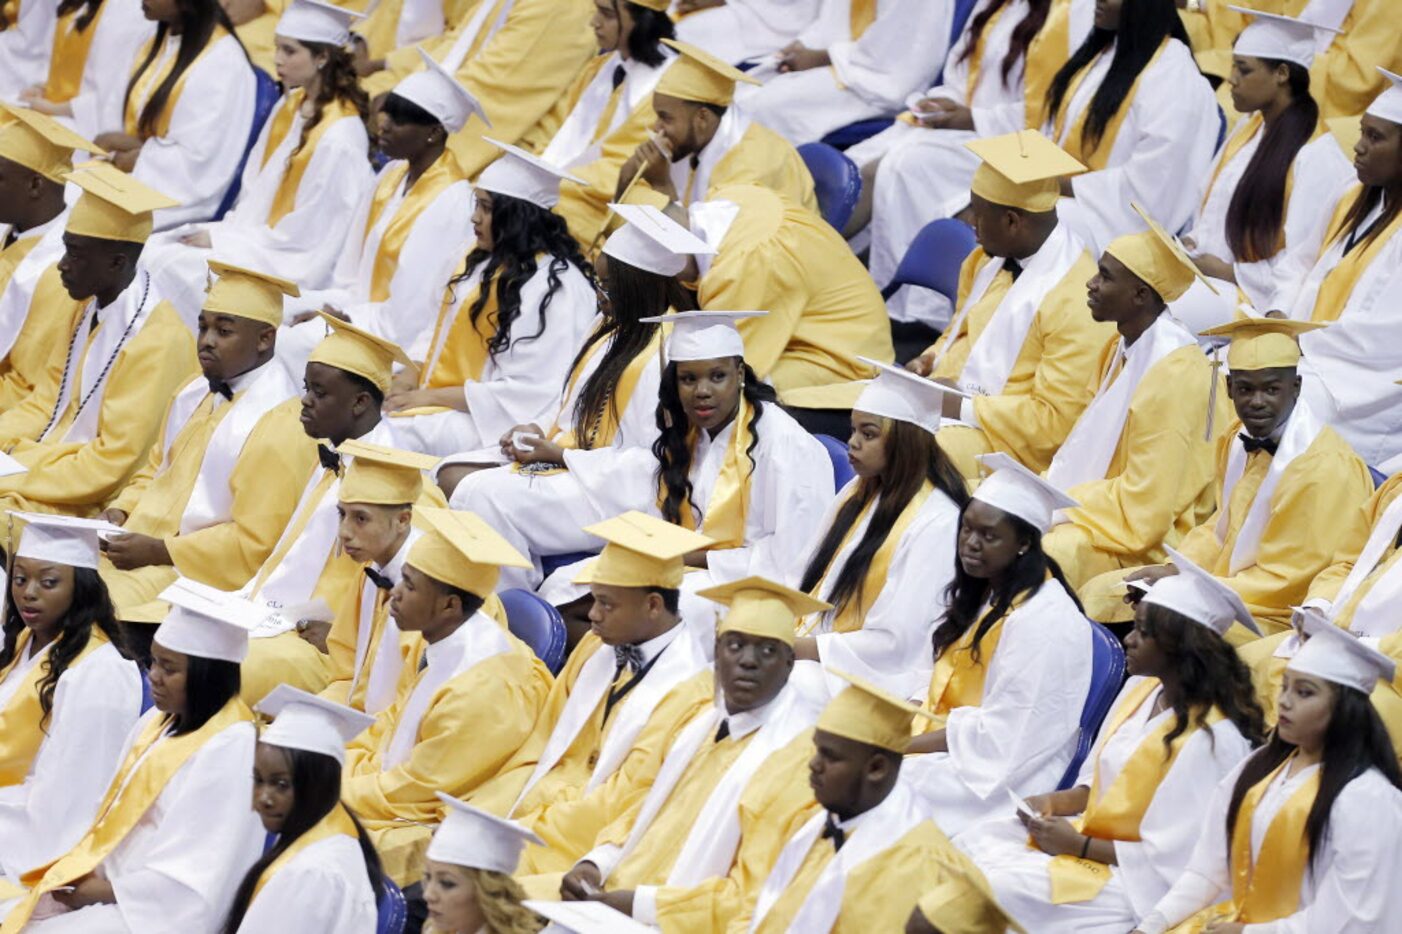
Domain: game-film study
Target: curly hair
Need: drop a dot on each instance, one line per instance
(499, 898)
(338, 82)
(198, 19)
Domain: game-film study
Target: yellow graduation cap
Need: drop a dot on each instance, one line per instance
(760, 607)
(697, 75)
(642, 551)
(382, 476)
(1262, 343)
(357, 351)
(964, 903)
(39, 142)
(462, 551)
(113, 206)
(1022, 170)
(1157, 257)
(245, 293)
(869, 714)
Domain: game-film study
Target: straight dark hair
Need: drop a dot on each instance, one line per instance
(1023, 33)
(650, 27)
(210, 684)
(83, 20)
(1366, 202)
(198, 19)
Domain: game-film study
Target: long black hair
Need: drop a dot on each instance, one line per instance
(967, 594)
(91, 607)
(650, 27)
(84, 19)
(673, 446)
(1354, 742)
(1144, 24)
(198, 19)
(1207, 673)
(316, 789)
(520, 230)
(338, 82)
(1023, 33)
(912, 457)
(1364, 204)
(210, 683)
(1256, 215)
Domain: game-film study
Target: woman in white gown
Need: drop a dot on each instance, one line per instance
(467, 883)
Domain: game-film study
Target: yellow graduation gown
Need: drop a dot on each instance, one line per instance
(1050, 383)
(764, 158)
(1344, 79)
(1356, 528)
(30, 365)
(258, 35)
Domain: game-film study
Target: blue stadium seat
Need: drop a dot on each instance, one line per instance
(549, 564)
(1107, 677)
(842, 470)
(836, 179)
(392, 913)
(1379, 478)
(267, 95)
(147, 702)
(934, 258)
(538, 624)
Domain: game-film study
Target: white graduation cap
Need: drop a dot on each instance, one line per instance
(1388, 104)
(206, 622)
(437, 91)
(61, 539)
(472, 838)
(652, 241)
(1338, 655)
(587, 917)
(704, 335)
(518, 174)
(1281, 38)
(1020, 492)
(900, 394)
(1200, 596)
(315, 21)
(310, 723)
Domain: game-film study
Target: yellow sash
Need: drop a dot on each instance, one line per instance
(850, 616)
(952, 349)
(69, 57)
(293, 532)
(117, 816)
(1338, 285)
(1116, 814)
(724, 521)
(1046, 53)
(336, 823)
(151, 79)
(862, 14)
(464, 353)
(285, 198)
(976, 56)
(429, 186)
(20, 732)
(1244, 134)
(1270, 890)
(1098, 158)
(14, 254)
(604, 429)
(958, 677)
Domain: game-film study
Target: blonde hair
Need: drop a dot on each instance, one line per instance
(499, 900)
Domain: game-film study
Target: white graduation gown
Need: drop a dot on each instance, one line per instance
(1147, 867)
(95, 704)
(25, 48)
(741, 29)
(122, 32)
(17, 293)
(324, 889)
(1023, 733)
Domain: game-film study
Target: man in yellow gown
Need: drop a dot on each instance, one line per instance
(1139, 459)
(1283, 480)
(690, 852)
(472, 702)
(115, 352)
(230, 463)
(1022, 342)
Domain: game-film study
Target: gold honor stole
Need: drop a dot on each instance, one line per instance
(1116, 814)
(1046, 53)
(285, 198)
(1338, 285)
(463, 353)
(151, 79)
(958, 678)
(116, 820)
(429, 186)
(1270, 890)
(1075, 144)
(861, 14)
(20, 732)
(604, 429)
(730, 500)
(849, 617)
(69, 57)
(336, 823)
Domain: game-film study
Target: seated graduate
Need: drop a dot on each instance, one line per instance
(67, 696)
(861, 862)
(509, 322)
(174, 832)
(886, 554)
(472, 671)
(304, 176)
(467, 884)
(321, 873)
(231, 461)
(701, 142)
(962, 904)
(114, 354)
(684, 849)
(1299, 837)
(1139, 459)
(637, 668)
(1284, 479)
(1012, 657)
(1022, 341)
(1109, 847)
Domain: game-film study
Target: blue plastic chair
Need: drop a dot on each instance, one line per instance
(267, 95)
(934, 258)
(538, 624)
(1379, 478)
(1107, 677)
(836, 179)
(549, 564)
(391, 911)
(842, 471)
(147, 701)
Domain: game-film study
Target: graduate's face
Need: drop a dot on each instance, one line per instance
(451, 898)
(1113, 292)
(404, 140)
(482, 218)
(1107, 14)
(626, 615)
(1264, 398)
(273, 793)
(709, 391)
(161, 11)
(685, 125)
(995, 227)
(1303, 710)
(842, 770)
(19, 186)
(1143, 657)
(866, 446)
(167, 675)
(371, 532)
(229, 346)
(751, 670)
(91, 265)
(417, 601)
(1377, 157)
(42, 593)
(988, 541)
(332, 402)
(611, 24)
(296, 64)
(1255, 84)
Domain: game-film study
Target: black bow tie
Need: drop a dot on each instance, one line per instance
(330, 460)
(832, 832)
(629, 655)
(723, 730)
(220, 387)
(378, 579)
(1252, 445)
(619, 73)
(1013, 267)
